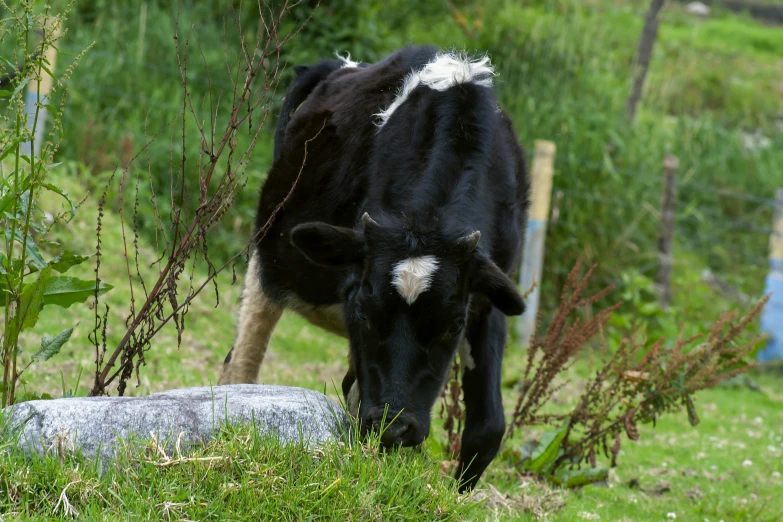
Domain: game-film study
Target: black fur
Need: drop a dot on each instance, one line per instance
(446, 164)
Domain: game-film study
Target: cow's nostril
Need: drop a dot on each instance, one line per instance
(395, 434)
(395, 428)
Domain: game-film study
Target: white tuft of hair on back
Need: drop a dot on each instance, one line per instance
(413, 276)
(448, 70)
(347, 62)
(444, 71)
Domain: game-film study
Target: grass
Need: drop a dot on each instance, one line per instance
(698, 473)
(240, 476)
(563, 76)
(727, 469)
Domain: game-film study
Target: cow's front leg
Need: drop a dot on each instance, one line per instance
(351, 392)
(484, 419)
(257, 319)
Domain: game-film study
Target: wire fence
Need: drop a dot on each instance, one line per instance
(715, 232)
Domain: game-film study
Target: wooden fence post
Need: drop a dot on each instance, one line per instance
(772, 316)
(533, 253)
(38, 91)
(643, 55)
(666, 236)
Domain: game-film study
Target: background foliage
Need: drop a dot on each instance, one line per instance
(564, 71)
(564, 75)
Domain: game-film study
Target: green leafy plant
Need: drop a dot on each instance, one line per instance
(31, 280)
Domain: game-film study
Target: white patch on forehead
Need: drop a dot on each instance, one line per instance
(444, 71)
(413, 276)
(347, 62)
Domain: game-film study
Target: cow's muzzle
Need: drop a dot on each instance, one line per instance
(396, 428)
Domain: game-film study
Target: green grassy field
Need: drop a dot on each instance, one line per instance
(728, 468)
(563, 76)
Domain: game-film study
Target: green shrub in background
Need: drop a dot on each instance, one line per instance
(29, 282)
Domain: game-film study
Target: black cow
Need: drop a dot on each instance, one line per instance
(409, 206)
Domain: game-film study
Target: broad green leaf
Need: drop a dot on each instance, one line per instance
(30, 303)
(547, 450)
(37, 227)
(34, 256)
(433, 448)
(7, 280)
(574, 478)
(6, 202)
(649, 308)
(34, 396)
(58, 190)
(4, 93)
(50, 346)
(66, 260)
(24, 204)
(527, 450)
(65, 290)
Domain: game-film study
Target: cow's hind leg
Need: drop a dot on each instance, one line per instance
(484, 420)
(258, 316)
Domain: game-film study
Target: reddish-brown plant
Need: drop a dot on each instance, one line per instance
(635, 384)
(220, 173)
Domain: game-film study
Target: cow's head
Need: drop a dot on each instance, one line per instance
(407, 295)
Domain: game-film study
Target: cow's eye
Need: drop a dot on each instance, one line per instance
(456, 327)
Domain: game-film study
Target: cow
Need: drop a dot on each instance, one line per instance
(392, 215)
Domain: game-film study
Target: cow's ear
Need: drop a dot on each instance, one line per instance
(491, 281)
(327, 245)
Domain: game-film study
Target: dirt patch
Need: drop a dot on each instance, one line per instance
(530, 497)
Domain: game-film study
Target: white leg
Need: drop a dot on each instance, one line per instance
(258, 316)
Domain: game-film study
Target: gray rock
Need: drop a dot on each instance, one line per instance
(96, 425)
